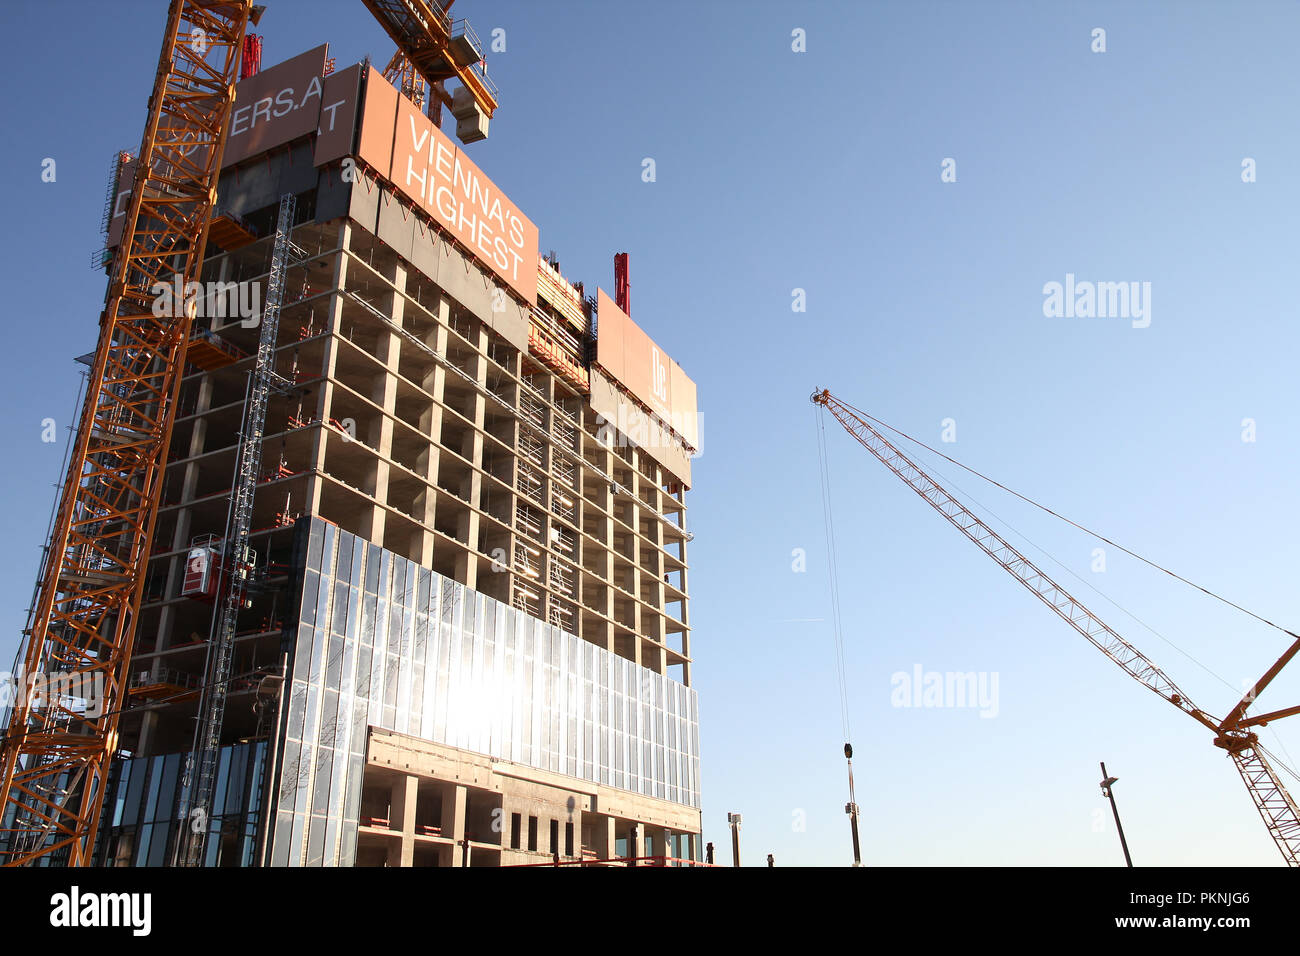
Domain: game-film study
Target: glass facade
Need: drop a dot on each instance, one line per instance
(382, 641)
(140, 810)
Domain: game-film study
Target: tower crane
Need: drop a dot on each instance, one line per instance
(55, 754)
(1234, 733)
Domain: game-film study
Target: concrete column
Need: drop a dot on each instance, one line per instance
(403, 812)
(605, 836)
(685, 619)
(606, 501)
(469, 525)
(658, 594)
(435, 383)
(325, 393)
(431, 378)
(388, 354)
(454, 798)
(659, 841)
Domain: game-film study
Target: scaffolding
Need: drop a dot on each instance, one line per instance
(529, 482)
(531, 408)
(528, 520)
(564, 541)
(237, 563)
(565, 431)
(561, 577)
(566, 471)
(563, 506)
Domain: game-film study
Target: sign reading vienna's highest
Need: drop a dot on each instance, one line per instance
(433, 171)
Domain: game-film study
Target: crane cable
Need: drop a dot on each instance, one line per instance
(1275, 758)
(20, 651)
(1080, 527)
(1284, 764)
(971, 499)
(819, 426)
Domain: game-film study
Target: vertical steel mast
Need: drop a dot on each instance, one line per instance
(236, 559)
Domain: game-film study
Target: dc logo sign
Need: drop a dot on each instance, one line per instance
(658, 376)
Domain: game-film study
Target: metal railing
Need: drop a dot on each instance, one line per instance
(461, 28)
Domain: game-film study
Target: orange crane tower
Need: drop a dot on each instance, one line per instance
(1234, 733)
(55, 754)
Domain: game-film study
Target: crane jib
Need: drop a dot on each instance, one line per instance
(1271, 799)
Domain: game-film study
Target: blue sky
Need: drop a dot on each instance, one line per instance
(820, 171)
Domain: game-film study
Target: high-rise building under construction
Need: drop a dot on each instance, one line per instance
(465, 638)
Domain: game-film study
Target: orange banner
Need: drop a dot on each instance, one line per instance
(634, 360)
(277, 105)
(432, 170)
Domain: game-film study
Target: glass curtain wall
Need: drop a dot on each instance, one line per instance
(382, 641)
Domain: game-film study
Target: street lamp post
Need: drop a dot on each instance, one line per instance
(1108, 790)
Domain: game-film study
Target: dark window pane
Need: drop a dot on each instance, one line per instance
(307, 607)
(372, 569)
(327, 549)
(315, 841)
(343, 568)
(321, 785)
(315, 542)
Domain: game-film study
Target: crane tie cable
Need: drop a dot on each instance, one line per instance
(1088, 531)
(819, 427)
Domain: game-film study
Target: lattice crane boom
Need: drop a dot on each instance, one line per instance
(1274, 803)
(1136, 664)
(433, 48)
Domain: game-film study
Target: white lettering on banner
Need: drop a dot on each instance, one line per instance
(464, 201)
(284, 102)
(313, 89)
(332, 107)
(412, 174)
(658, 376)
(244, 119)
